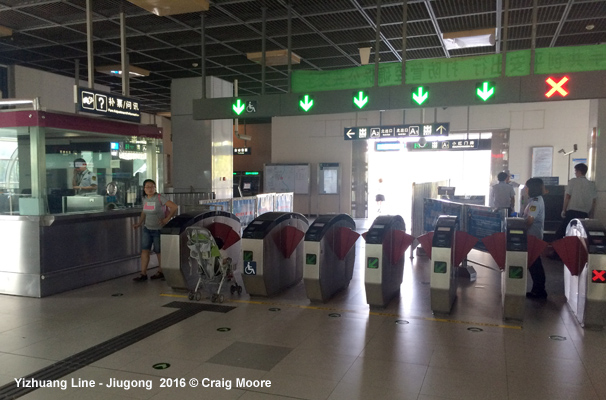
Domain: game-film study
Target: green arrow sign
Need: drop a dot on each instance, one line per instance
(361, 100)
(310, 259)
(247, 255)
(306, 103)
(516, 272)
(161, 366)
(419, 96)
(238, 107)
(484, 92)
(372, 262)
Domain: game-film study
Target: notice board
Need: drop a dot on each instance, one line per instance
(282, 178)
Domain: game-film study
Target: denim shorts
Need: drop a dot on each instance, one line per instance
(149, 236)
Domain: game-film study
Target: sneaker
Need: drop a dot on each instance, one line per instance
(536, 296)
(140, 278)
(157, 275)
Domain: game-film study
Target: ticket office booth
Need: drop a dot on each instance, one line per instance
(54, 237)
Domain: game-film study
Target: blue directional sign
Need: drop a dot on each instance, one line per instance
(440, 129)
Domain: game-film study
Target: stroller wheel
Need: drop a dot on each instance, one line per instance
(232, 289)
(221, 298)
(239, 289)
(213, 298)
(198, 296)
(190, 295)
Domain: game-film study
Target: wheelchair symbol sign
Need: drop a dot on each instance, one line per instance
(250, 268)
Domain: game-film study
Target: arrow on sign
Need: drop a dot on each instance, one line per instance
(350, 133)
(420, 97)
(307, 104)
(441, 129)
(238, 107)
(361, 100)
(484, 92)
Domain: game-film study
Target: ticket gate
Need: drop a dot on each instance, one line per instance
(442, 278)
(386, 242)
(585, 272)
(273, 252)
(225, 228)
(330, 254)
(514, 276)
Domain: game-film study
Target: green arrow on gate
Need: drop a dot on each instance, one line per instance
(247, 255)
(238, 107)
(310, 259)
(361, 100)
(483, 92)
(516, 272)
(420, 97)
(372, 262)
(307, 104)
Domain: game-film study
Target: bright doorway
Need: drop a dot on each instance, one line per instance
(468, 171)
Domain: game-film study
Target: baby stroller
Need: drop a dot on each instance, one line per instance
(212, 268)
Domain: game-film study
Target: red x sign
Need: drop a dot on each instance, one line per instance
(556, 87)
(598, 276)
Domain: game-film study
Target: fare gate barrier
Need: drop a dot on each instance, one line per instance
(514, 277)
(386, 242)
(583, 251)
(329, 256)
(273, 252)
(442, 278)
(225, 228)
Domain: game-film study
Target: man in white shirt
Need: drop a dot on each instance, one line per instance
(579, 199)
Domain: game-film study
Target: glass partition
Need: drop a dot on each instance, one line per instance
(76, 172)
(14, 178)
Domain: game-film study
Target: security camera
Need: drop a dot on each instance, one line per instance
(243, 137)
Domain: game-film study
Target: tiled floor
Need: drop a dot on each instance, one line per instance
(339, 350)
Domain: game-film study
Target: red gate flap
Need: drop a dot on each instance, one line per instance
(572, 252)
(364, 235)
(232, 237)
(535, 248)
(400, 242)
(464, 242)
(287, 240)
(426, 240)
(496, 244)
(224, 232)
(342, 241)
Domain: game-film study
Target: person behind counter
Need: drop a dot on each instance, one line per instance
(83, 181)
(152, 219)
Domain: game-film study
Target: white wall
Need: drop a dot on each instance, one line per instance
(56, 92)
(314, 139)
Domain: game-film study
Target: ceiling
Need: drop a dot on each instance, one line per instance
(50, 35)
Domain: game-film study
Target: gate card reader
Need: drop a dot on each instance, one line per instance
(174, 250)
(273, 252)
(442, 277)
(514, 276)
(386, 242)
(586, 292)
(330, 254)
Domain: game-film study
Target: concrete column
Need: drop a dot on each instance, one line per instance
(596, 143)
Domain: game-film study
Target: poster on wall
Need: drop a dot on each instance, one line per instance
(282, 178)
(542, 161)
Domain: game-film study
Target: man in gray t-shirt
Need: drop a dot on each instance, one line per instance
(503, 195)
